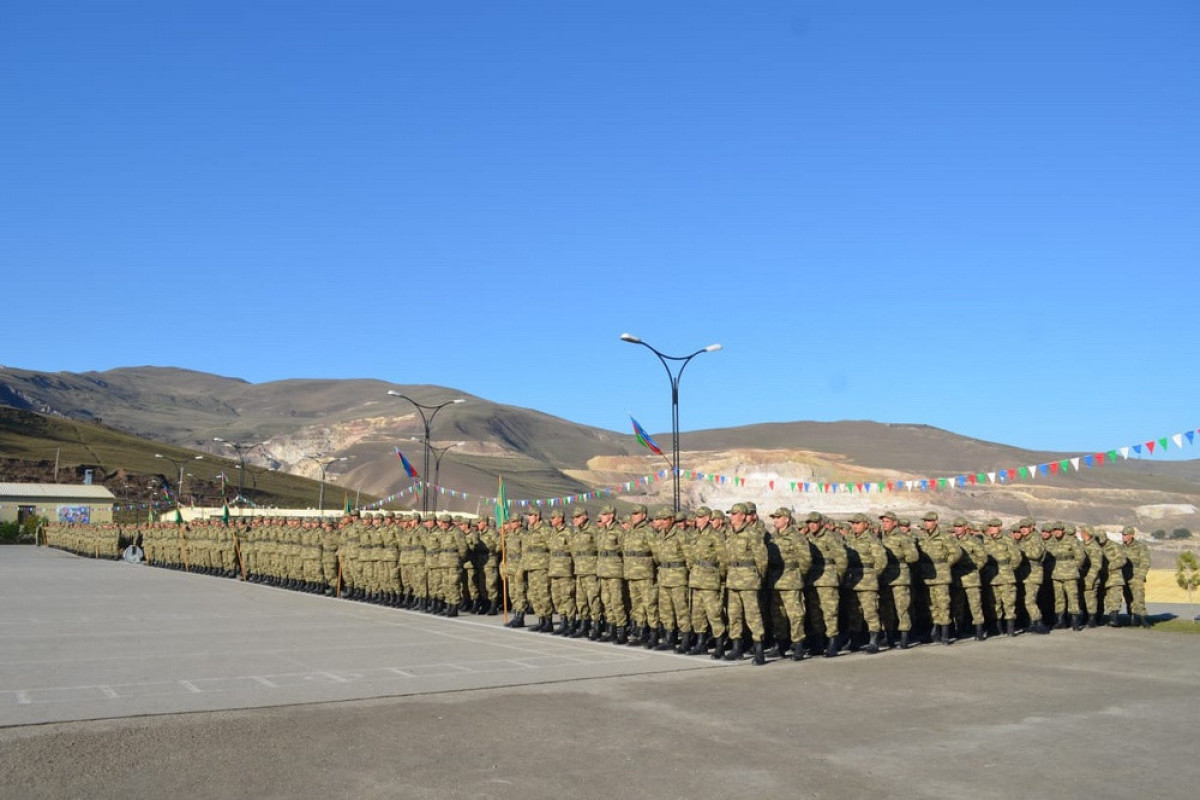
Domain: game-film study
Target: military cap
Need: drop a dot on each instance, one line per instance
(904, 522)
(959, 522)
(1058, 526)
(417, 517)
(1068, 529)
(1027, 522)
(814, 516)
(703, 511)
(445, 518)
(390, 514)
(718, 514)
(1086, 529)
(557, 513)
(994, 522)
(533, 511)
(930, 516)
(860, 517)
(889, 515)
(638, 508)
(608, 510)
(664, 513)
(1047, 526)
(738, 508)
(680, 516)
(1128, 530)
(579, 511)
(782, 512)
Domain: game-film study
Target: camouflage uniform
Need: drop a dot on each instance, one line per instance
(587, 586)
(535, 560)
(1000, 573)
(867, 559)
(895, 583)
(829, 564)
(789, 558)
(746, 554)
(938, 554)
(1068, 559)
(639, 576)
(1137, 567)
(610, 571)
(707, 564)
(1114, 579)
(1030, 572)
(1090, 579)
(670, 558)
(561, 572)
(967, 591)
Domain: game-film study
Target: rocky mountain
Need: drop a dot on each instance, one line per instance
(292, 422)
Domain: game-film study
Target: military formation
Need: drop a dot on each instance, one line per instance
(719, 583)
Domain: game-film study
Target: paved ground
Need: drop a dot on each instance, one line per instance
(1102, 713)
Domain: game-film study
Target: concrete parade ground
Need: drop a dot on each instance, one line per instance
(119, 680)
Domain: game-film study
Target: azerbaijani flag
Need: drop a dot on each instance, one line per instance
(409, 468)
(501, 503)
(644, 438)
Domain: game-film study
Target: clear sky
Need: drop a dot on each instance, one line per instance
(984, 217)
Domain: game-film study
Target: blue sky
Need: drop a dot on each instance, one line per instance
(980, 218)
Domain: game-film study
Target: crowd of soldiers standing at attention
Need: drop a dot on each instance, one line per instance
(722, 584)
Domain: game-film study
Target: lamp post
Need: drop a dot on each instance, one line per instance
(323, 461)
(241, 449)
(427, 419)
(437, 464)
(254, 479)
(179, 466)
(674, 378)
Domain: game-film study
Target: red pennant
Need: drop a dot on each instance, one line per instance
(1054, 467)
(1150, 446)
(1012, 474)
(889, 485)
(971, 478)
(1099, 458)
(772, 485)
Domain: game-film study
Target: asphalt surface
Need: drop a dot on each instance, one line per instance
(124, 681)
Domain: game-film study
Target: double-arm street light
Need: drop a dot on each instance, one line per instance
(427, 413)
(323, 461)
(241, 449)
(674, 378)
(437, 464)
(178, 465)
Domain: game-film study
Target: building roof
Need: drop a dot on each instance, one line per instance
(55, 491)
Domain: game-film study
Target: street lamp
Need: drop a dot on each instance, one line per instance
(179, 465)
(323, 461)
(241, 449)
(674, 378)
(437, 464)
(254, 479)
(428, 420)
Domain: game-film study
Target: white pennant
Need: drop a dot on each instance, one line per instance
(1032, 471)
(1075, 463)
(1178, 439)
(1124, 451)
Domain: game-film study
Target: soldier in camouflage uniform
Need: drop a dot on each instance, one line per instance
(967, 587)
(453, 554)
(867, 561)
(789, 558)
(514, 573)
(707, 565)
(470, 581)
(610, 570)
(1030, 572)
(639, 578)
(561, 572)
(1068, 560)
(489, 566)
(584, 554)
(1000, 576)
(1137, 567)
(746, 554)
(895, 583)
(939, 553)
(670, 559)
(535, 560)
(1090, 577)
(823, 584)
(1114, 579)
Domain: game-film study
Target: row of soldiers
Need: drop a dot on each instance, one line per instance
(702, 583)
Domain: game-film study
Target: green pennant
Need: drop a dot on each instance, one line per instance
(1111, 455)
(882, 485)
(1163, 442)
(981, 478)
(1023, 472)
(1065, 465)
(941, 483)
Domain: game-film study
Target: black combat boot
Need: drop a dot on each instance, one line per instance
(798, 650)
(604, 631)
(1114, 621)
(1145, 620)
(903, 643)
(518, 620)
(564, 627)
(945, 634)
(1040, 627)
(872, 643)
(451, 610)
(831, 649)
(635, 635)
(1093, 620)
(719, 648)
(1010, 627)
(493, 609)
(700, 646)
(666, 639)
(781, 648)
(980, 635)
(651, 642)
(759, 657)
(1062, 623)
(738, 652)
(622, 634)
(593, 630)
(685, 642)
(1076, 622)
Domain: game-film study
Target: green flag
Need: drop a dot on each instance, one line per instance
(178, 516)
(501, 504)
(225, 514)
